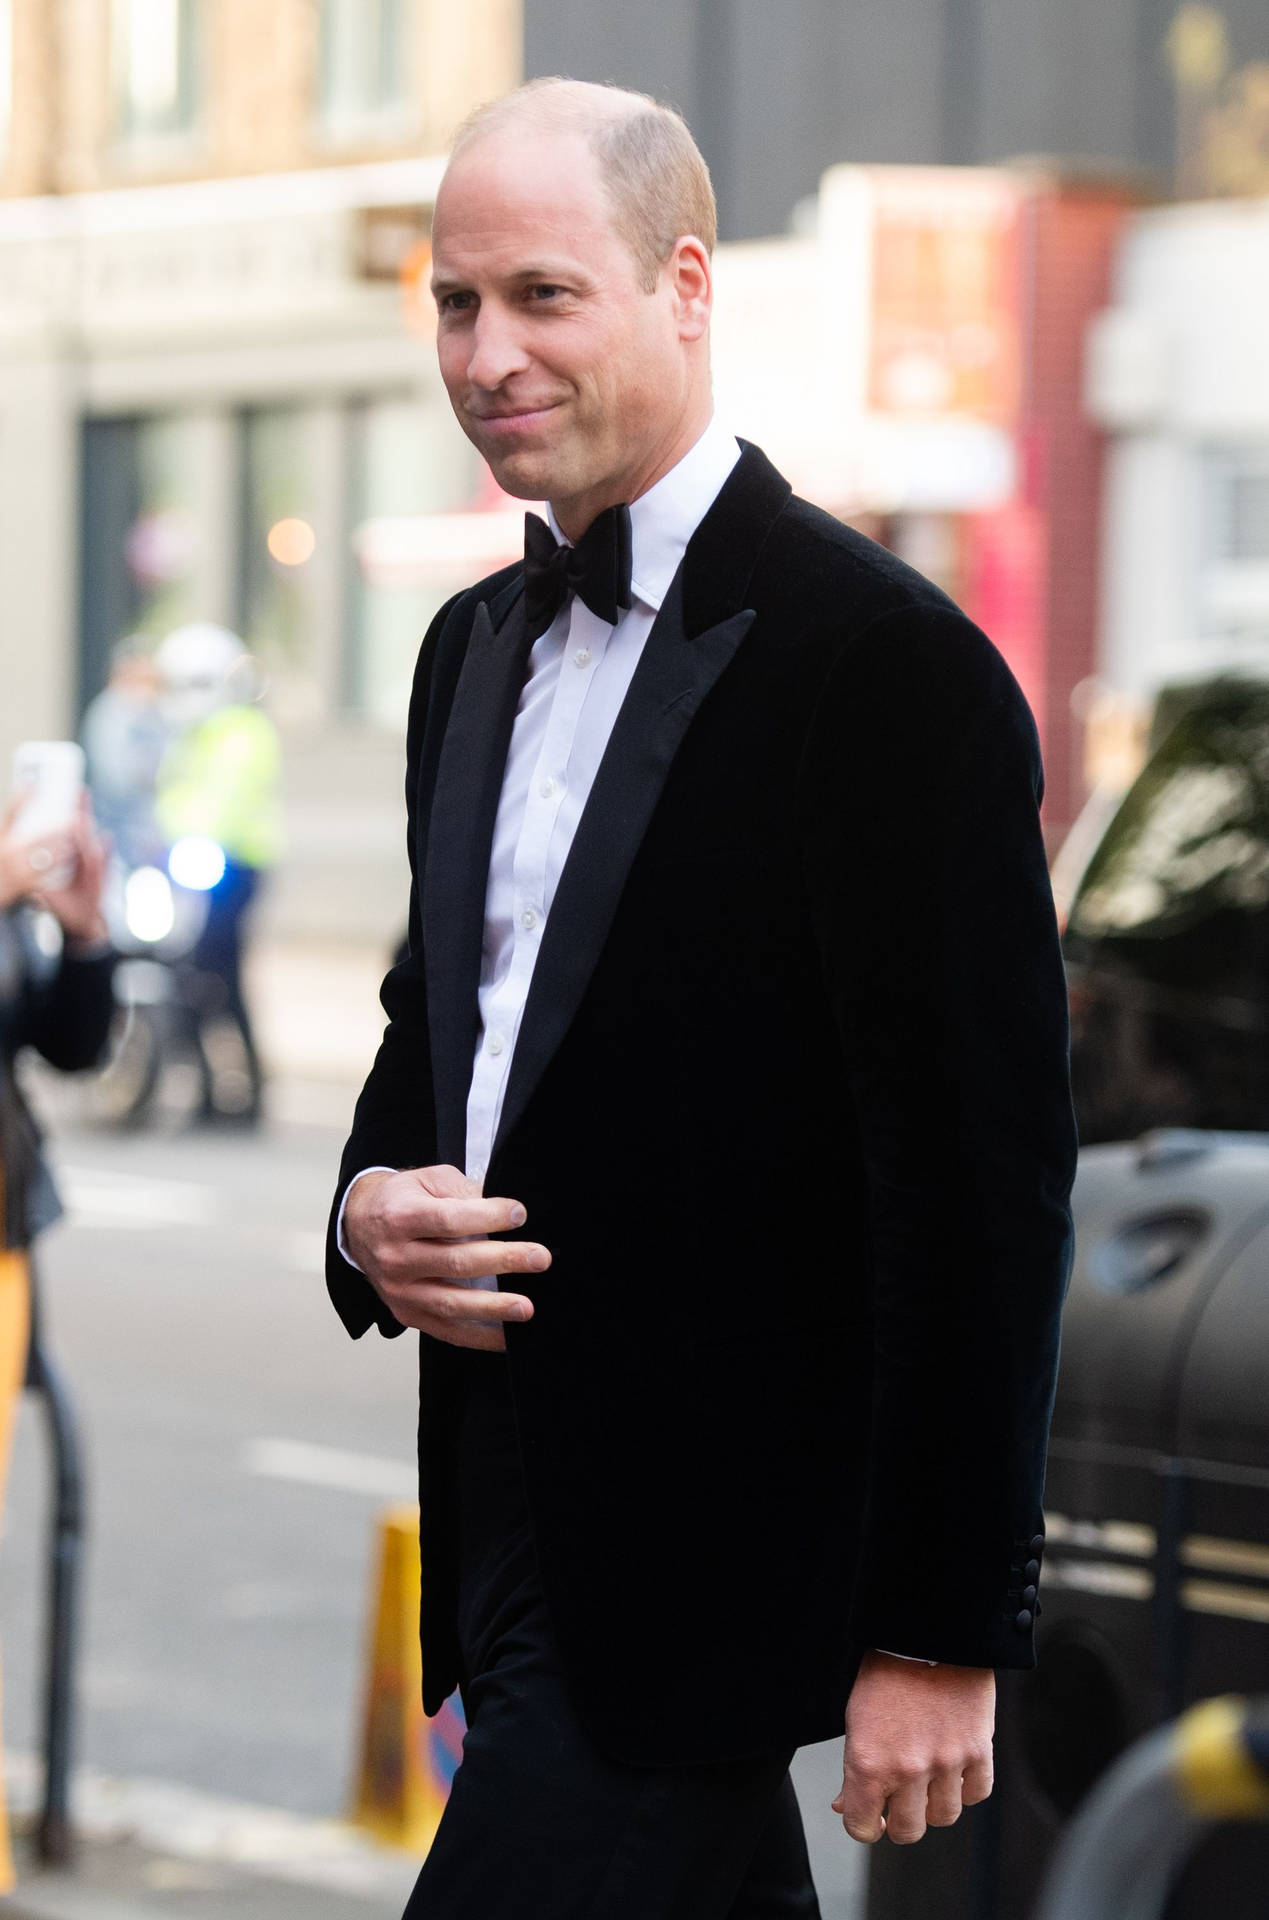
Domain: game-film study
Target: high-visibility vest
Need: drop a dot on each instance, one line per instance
(221, 779)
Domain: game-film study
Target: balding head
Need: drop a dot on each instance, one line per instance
(571, 269)
(652, 170)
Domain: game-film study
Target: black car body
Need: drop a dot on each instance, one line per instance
(1167, 941)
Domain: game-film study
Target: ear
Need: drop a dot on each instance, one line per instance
(692, 280)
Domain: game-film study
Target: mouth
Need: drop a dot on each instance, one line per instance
(507, 422)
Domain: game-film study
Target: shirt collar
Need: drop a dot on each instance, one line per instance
(663, 519)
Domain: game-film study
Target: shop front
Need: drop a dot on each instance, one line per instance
(207, 390)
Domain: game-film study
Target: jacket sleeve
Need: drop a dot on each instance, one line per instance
(67, 1016)
(394, 1122)
(929, 893)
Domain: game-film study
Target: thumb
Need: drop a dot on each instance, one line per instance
(862, 1806)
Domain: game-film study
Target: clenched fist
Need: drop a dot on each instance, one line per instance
(918, 1747)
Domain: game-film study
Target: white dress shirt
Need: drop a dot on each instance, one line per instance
(579, 673)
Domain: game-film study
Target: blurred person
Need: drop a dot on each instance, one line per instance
(124, 734)
(219, 788)
(733, 977)
(62, 1007)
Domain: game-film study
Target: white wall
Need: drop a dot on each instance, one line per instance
(1178, 371)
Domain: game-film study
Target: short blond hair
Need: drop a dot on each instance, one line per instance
(652, 170)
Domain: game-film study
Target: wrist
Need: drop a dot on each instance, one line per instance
(87, 942)
(355, 1211)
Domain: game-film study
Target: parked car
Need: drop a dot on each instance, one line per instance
(1167, 939)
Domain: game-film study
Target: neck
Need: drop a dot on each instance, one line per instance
(576, 513)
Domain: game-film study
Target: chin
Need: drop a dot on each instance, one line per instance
(526, 476)
(520, 480)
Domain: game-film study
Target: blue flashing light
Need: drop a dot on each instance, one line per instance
(197, 863)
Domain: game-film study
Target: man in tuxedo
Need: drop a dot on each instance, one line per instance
(719, 1144)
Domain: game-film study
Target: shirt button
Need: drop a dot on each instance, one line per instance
(475, 1173)
(529, 919)
(582, 657)
(496, 1043)
(547, 789)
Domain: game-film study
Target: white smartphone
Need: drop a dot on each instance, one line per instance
(49, 776)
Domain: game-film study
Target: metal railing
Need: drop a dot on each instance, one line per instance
(53, 1831)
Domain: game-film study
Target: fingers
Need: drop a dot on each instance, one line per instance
(910, 1805)
(944, 1800)
(978, 1780)
(862, 1802)
(472, 1259)
(461, 1316)
(440, 1203)
(482, 1339)
(402, 1261)
(49, 851)
(905, 1813)
(445, 1181)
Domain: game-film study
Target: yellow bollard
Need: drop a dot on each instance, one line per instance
(15, 1298)
(407, 1761)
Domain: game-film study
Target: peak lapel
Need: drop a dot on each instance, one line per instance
(460, 831)
(673, 676)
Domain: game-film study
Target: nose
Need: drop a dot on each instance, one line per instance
(497, 351)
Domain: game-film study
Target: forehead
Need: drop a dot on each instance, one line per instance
(522, 188)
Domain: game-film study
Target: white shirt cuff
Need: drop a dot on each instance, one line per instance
(340, 1241)
(917, 1659)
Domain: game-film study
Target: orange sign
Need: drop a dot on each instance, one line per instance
(946, 299)
(416, 284)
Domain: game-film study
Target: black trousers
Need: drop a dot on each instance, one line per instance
(540, 1825)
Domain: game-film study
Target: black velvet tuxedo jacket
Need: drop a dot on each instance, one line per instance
(789, 1106)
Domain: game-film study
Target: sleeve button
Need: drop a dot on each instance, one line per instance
(1037, 1544)
(1028, 1596)
(1032, 1570)
(1024, 1620)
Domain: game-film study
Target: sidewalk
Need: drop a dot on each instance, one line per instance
(152, 1850)
(318, 1024)
(120, 1880)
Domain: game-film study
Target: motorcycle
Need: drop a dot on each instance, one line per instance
(167, 1058)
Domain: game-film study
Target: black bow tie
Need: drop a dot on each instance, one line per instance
(597, 569)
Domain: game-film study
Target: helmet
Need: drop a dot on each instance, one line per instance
(203, 667)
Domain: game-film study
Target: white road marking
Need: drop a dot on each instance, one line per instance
(95, 1197)
(182, 1822)
(318, 1466)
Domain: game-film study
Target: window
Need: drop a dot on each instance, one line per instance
(1235, 558)
(408, 462)
(140, 530)
(364, 63)
(280, 530)
(156, 68)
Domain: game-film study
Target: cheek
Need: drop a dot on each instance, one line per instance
(452, 357)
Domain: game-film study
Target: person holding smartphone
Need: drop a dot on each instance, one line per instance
(61, 1006)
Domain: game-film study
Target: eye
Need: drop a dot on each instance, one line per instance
(458, 302)
(543, 292)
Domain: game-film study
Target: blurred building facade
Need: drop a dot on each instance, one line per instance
(218, 392)
(914, 363)
(1178, 377)
(779, 93)
(207, 376)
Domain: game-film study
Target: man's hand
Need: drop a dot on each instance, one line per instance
(918, 1747)
(418, 1236)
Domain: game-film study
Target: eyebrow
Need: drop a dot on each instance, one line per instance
(544, 271)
